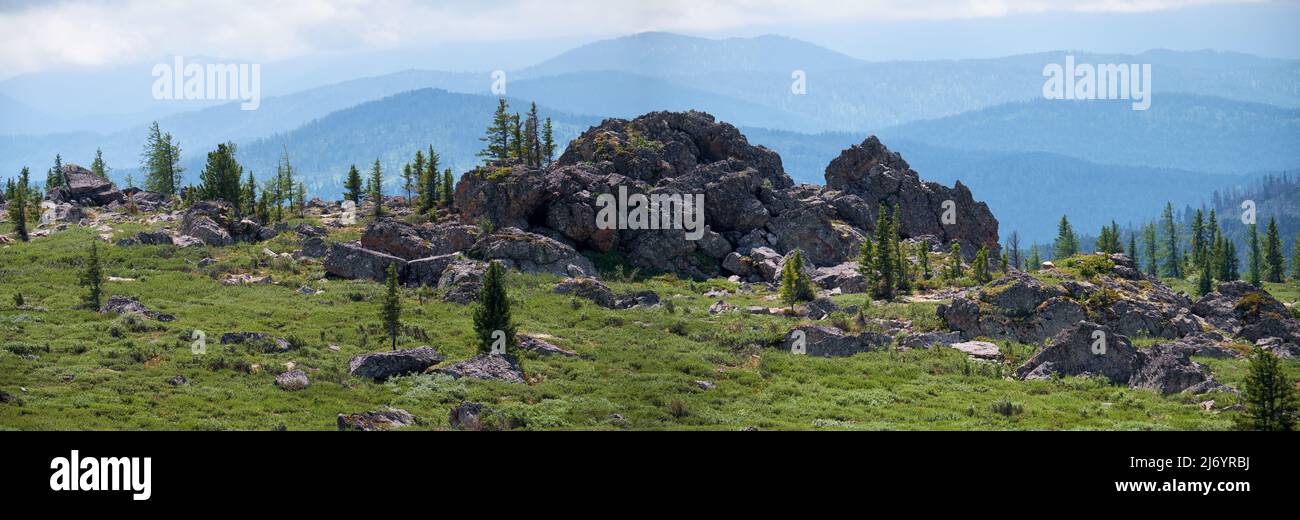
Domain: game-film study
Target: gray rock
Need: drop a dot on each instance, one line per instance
(347, 260)
(383, 365)
(979, 350)
(292, 380)
(462, 280)
(928, 339)
(543, 347)
(846, 277)
(257, 340)
(532, 253)
(428, 271)
(382, 420)
(466, 416)
(822, 341)
(123, 306)
(587, 288)
(490, 367)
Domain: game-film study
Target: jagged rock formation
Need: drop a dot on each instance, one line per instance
(490, 367)
(751, 206)
(1020, 307)
(84, 188)
(823, 341)
(1090, 349)
(122, 305)
(1241, 309)
(214, 222)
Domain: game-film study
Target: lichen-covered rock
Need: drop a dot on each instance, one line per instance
(847, 277)
(123, 306)
(532, 253)
(292, 380)
(823, 341)
(383, 365)
(462, 280)
(543, 347)
(1094, 350)
(492, 367)
(382, 420)
(350, 260)
(82, 187)
(587, 288)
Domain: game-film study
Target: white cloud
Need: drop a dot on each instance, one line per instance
(41, 35)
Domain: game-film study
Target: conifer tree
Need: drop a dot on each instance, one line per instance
(1034, 261)
(161, 162)
(980, 270)
(498, 134)
(1133, 249)
(408, 181)
(1149, 240)
(1003, 261)
(902, 275)
(54, 179)
(221, 176)
(448, 187)
(1013, 250)
(492, 312)
(1067, 243)
(1254, 261)
(532, 139)
(248, 196)
(1295, 260)
(420, 176)
(391, 313)
(1269, 398)
(352, 186)
(92, 278)
(954, 263)
(431, 191)
(1274, 262)
(795, 285)
(548, 142)
(1204, 281)
(1199, 247)
(923, 257)
(1169, 228)
(18, 206)
(867, 264)
(884, 248)
(98, 166)
(517, 138)
(300, 199)
(377, 187)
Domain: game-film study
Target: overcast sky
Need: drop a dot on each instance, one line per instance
(39, 35)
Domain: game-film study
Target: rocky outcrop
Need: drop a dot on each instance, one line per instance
(429, 271)
(1089, 349)
(822, 341)
(126, 306)
(383, 365)
(462, 280)
(491, 367)
(1020, 307)
(870, 174)
(350, 260)
(54, 214)
(846, 277)
(82, 187)
(1241, 309)
(396, 238)
(532, 253)
(215, 223)
(600, 294)
(749, 201)
(382, 420)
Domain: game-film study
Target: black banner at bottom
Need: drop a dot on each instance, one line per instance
(143, 471)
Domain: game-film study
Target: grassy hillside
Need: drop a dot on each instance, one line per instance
(75, 369)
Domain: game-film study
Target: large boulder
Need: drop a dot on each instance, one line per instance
(587, 288)
(350, 260)
(63, 213)
(823, 341)
(396, 238)
(82, 187)
(1089, 349)
(876, 175)
(428, 271)
(382, 420)
(489, 367)
(505, 193)
(1241, 309)
(383, 365)
(847, 277)
(532, 253)
(122, 305)
(462, 280)
(1084, 349)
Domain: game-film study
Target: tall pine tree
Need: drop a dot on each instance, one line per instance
(391, 312)
(498, 134)
(492, 313)
(1067, 243)
(1274, 262)
(352, 187)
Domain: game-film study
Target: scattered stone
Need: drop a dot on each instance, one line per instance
(246, 279)
(492, 367)
(307, 290)
(820, 308)
(466, 416)
(587, 288)
(823, 341)
(721, 307)
(259, 341)
(383, 365)
(706, 385)
(178, 380)
(206, 262)
(292, 380)
(122, 305)
(541, 346)
(928, 339)
(979, 350)
(387, 419)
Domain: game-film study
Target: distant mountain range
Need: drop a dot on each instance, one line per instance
(1215, 118)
